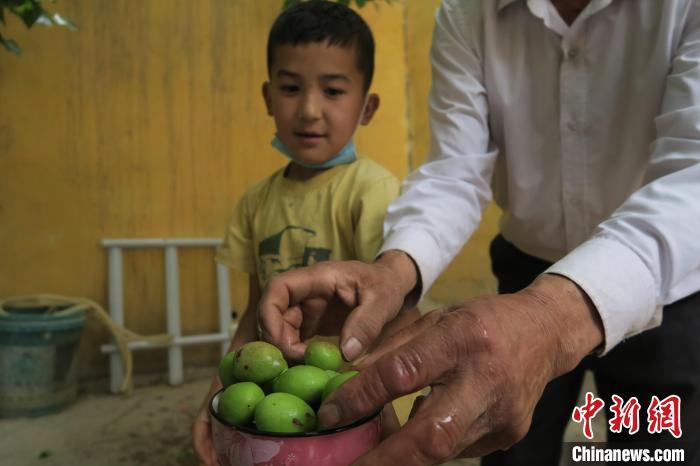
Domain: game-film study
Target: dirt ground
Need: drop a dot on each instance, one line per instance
(148, 428)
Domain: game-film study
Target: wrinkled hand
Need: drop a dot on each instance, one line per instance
(319, 299)
(487, 362)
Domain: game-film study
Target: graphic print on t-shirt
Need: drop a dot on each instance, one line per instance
(289, 249)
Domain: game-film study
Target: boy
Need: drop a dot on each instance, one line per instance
(326, 204)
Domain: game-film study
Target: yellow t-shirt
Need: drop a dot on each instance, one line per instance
(282, 224)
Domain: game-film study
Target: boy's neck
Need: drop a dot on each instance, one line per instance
(299, 173)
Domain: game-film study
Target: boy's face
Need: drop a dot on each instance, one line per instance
(316, 96)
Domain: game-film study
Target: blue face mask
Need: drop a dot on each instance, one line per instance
(346, 155)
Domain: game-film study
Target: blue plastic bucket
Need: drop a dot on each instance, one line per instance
(38, 358)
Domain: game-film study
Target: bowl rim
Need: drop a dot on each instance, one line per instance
(254, 431)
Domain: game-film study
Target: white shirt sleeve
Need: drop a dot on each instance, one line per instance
(647, 254)
(443, 200)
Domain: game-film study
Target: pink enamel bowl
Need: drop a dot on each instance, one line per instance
(246, 446)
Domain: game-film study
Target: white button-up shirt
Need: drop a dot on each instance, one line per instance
(587, 136)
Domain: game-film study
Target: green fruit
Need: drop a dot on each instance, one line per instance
(226, 369)
(336, 382)
(283, 412)
(324, 355)
(238, 402)
(306, 382)
(331, 374)
(258, 362)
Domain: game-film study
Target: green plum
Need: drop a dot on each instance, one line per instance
(238, 402)
(336, 382)
(226, 369)
(284, 412)
(324, 355)
(258, 362)
(306, 382)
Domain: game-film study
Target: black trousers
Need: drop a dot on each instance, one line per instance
(661, 362)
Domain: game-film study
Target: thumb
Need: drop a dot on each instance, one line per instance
(416, 364)
(363, 325)
(380, 289)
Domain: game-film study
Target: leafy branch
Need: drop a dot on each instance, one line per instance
(30, 12)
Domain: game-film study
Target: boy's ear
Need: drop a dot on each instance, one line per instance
(266, 96)
(371, 107)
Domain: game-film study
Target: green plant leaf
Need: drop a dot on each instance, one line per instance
(31, 13)
(28, 10)
(63, 21)
(12, 3)
(289, 3)
(10, 45)
(361, 3)
(44, 20)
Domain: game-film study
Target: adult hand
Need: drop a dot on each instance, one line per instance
(487, 362)
(319, 299)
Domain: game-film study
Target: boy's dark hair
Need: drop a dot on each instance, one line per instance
(319, 21)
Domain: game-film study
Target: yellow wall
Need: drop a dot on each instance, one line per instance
(470, 273)
(148, 122)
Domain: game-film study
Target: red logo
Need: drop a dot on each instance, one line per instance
(587, 412)
(665, 415)
(624, 415)
(661, 415)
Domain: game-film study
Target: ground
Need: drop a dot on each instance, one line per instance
(150, 427)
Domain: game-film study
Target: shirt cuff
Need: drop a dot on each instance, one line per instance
(619, 284)
(421, 247)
